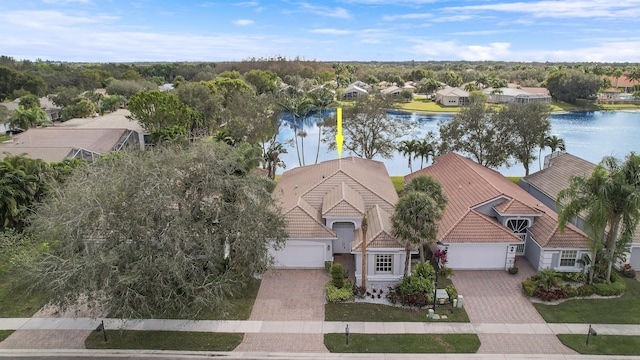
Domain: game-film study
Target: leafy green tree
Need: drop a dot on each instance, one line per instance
(367, 128)
(476, 131)
(265, 81)
(429, 86)
(29, 101)
(157, 234)
(81, 108)
(526, 124)
(206, 103)
(158, 111)
(112, 103)
(571, 85)
(609, 202)
(4, 114)
(414, 222)
(128, 88)
(64, 96)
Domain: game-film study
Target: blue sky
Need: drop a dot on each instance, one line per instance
(342, 30)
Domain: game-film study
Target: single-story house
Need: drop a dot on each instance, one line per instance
(54, 144)
(324, 204)
(489, 220)
(624, 83)
(51, 110)
(392, 90)
(508, 95)
(452, 96)
(610, 93)
(555, 176)
(353, 92)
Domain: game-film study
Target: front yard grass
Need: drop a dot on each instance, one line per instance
(5, 334)
(15, 301)
(403, 343)
(422, 104)
(386, 313)
(602, 344)
(164, 340)
(398, 183)
(622, 310)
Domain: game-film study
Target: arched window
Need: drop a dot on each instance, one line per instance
(518, 226)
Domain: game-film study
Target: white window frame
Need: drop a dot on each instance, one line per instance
(383, 262)
(566, 255)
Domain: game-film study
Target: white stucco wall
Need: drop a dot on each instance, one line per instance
(380, 280)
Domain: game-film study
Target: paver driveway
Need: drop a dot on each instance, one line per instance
(288, 295)
(497, 297)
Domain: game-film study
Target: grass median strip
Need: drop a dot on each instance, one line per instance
(403, 343)
(622, 310)
(602, 344)
(5, 334)
(164, 340)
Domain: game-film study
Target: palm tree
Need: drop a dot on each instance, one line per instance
(408, 148)
(414, 223)
(299, 106)
(608, 200)
(302, 134)
(553, 142)
(272, 158)
(423, 149)
(24, 118)
(321, 99)
(429, 186)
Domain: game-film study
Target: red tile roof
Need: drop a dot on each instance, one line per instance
(468, 185)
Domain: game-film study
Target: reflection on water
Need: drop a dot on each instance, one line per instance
(589, 135)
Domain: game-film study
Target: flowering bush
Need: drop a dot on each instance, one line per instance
(441, 254)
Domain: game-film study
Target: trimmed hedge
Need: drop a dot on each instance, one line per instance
(616, 287)
(529, 286)
(335, 294)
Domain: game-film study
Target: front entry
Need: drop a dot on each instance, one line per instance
(345, 233)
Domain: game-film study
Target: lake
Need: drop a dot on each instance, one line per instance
(590, 135)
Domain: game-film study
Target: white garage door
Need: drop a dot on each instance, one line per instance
(635, 258)
(477, 256)
(300, 254)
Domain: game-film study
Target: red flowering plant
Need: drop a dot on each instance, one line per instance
(440, 255)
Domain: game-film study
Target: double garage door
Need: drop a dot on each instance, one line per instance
(300, 254)
(484, 256)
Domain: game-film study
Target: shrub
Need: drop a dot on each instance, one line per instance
(529, 286)
(446, 272)
(628, 271)
(548, 278)
(616, 287)
(513, 270)
(337, 276)
(452, 292)
(414, 285)
(335, 294)
(570, 291)
(549, 295)
(574, 277)
(424, 271)
(327, 266)
(586, 290)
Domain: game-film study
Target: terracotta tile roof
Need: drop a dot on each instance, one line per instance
(546, 233)
(342, 201)
(557, 175)
(475, 227)
(468, 185)
(623, 81)
(378, 231)
(304, 221)
(515, 207)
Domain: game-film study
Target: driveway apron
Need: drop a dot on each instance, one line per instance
(288, 295)
(497, 297)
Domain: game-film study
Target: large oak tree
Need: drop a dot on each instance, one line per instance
(165, 232)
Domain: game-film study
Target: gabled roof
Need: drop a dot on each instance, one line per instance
(476, 227)
(468, 184)
(341, 201)
(452, 91)
(515, 207)
(343, 187)
(307, 220)
(378, 231)
(557, 174)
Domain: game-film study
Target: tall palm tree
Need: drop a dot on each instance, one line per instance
(272, 158)
(321, 99)
(608, 199)
(424, 149)
(408, 148)
(298, 106)
(429, 186)
(553, 142)
(414, 223)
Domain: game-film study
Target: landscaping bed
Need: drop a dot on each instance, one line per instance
(164, 340)
(403, 343)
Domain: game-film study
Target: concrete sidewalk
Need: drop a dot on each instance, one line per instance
(313, 327)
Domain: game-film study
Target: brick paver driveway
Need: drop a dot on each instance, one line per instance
(497, 297)
(288, 295)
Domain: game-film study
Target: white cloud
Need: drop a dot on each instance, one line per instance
(452, 50)
(325, 11)
(560, 9)
(331, 31)
(243, 22)
(247, 3)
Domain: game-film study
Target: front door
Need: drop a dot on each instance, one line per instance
(345, 234)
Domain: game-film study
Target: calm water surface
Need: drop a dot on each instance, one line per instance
(589, 135)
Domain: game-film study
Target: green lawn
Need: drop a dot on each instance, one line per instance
(4, 137)
(164, 340)
(386, 313)
(422, 104)
(398, 183)
(403, 343)
(5, 334)
(622, 310)
(602, 344)
(618, 106)
(14, 299)
(514, 179)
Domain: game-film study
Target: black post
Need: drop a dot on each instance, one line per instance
(435, 290)
(593, 332)
(104, 331)
(346, 335)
